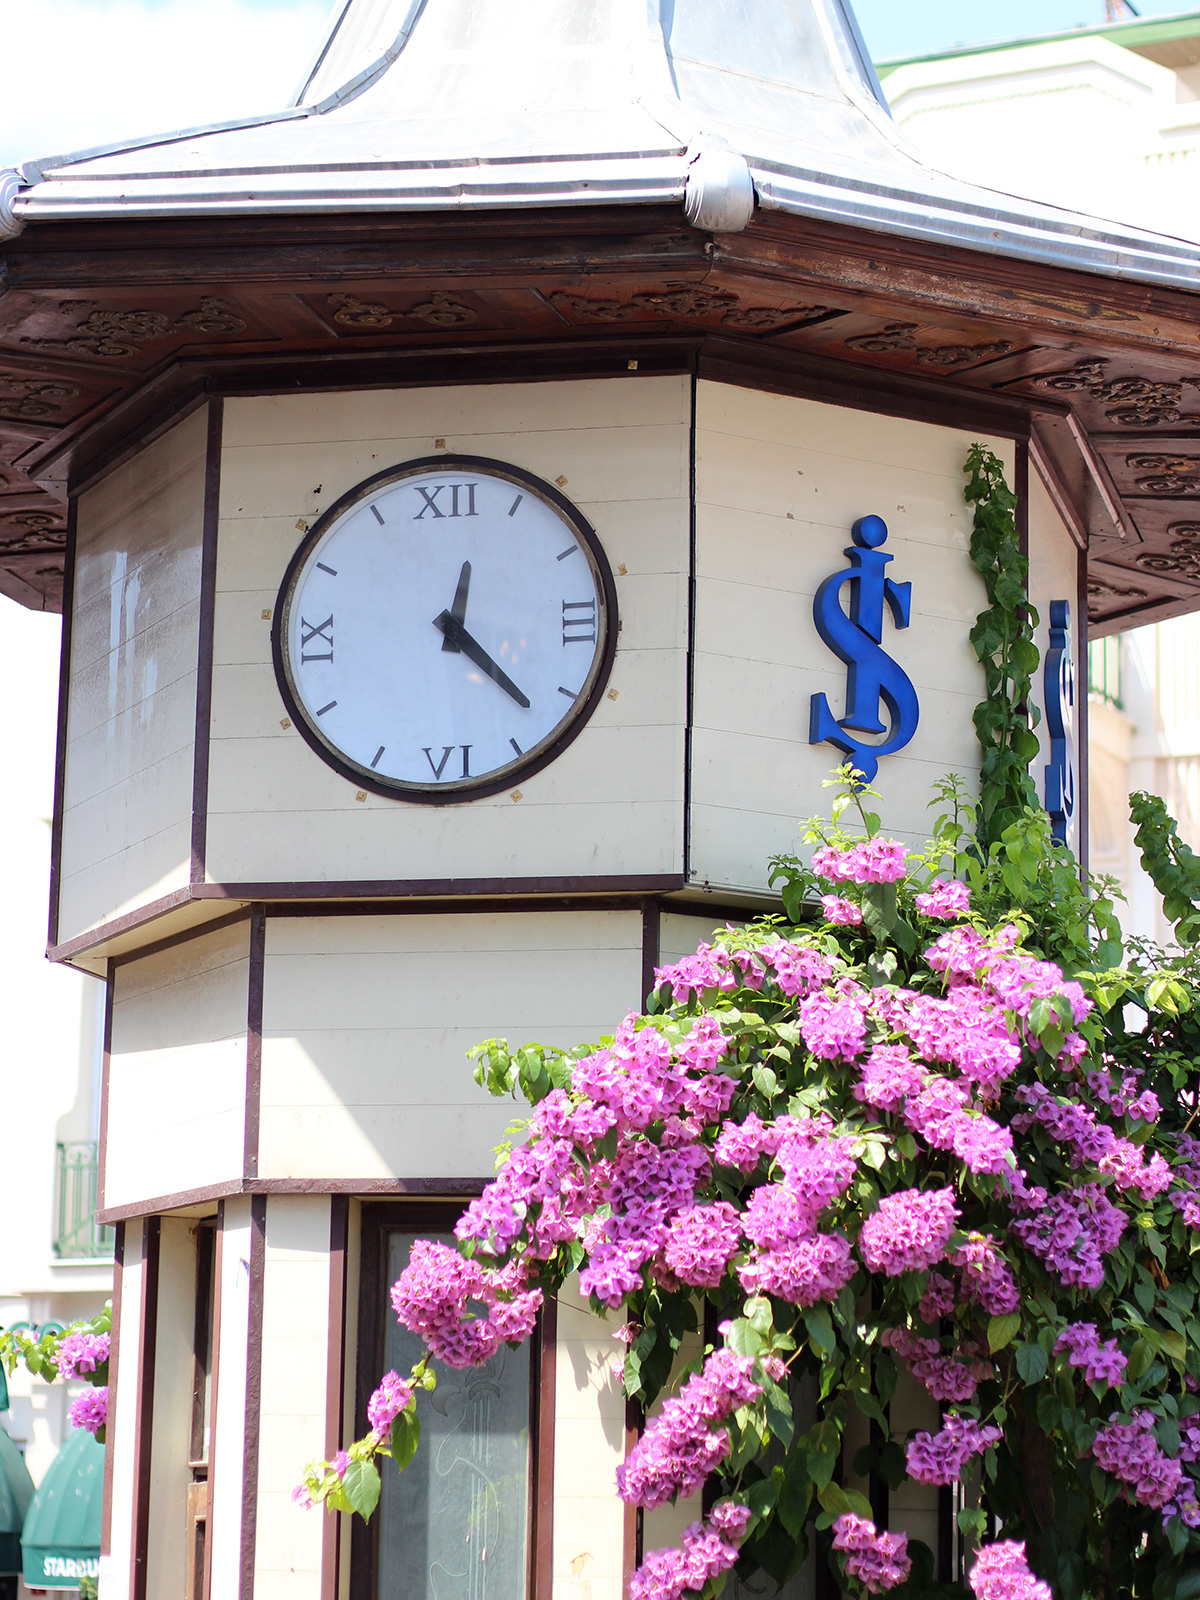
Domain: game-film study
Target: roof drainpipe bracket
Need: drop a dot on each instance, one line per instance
(10, 188)
(718, 195)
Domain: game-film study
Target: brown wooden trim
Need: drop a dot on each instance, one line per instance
(204, 648)
(1074, 521)
(258, 1266)
(720, 910)
(60, 742)
(650, 948)
(202, 1346)
(159, 419)
(689, 707)
(114, 1373)
(335, 1381)
(811, 377)
(542, 1408)
(110, 984)
(254, 1019)
(218, 1297)
(467, 892)
(1082, 844)
(185, 936)
(144, 1424)
(1021, 490)
(400, 1188)
(632, 1519)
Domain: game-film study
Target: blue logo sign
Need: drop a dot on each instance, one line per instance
(1059, 683)
(873, 678)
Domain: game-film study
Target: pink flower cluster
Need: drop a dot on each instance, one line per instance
(870, 861)
(834, 1025)
(430, 1299)
(700, 1243)
(81, 1352)
(945, 1376)
(679, 1448)
(706, 1550)
(946, 899)
(879, 1561)
(986, 1277)
(386, 1404)
(1101, 1362)
(908, 1232)
(1130, 1452)
(943, 1116)
(1091, 1140)
(1072, 1233)
(841, 912)
(888, 1077)
(1001, 1572)
(940, 1458)
(90, 1410)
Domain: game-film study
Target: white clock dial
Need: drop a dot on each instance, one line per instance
(444, 628)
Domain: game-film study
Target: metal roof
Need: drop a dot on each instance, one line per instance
(435, 105)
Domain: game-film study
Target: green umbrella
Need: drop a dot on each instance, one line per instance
(16, 1491)
(60, 1541)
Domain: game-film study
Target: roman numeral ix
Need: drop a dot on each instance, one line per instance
(460, 504)
(579, 621)
(323, 631)
(438, 767)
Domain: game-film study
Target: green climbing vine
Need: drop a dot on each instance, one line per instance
(1003, 641)
(1172, 865)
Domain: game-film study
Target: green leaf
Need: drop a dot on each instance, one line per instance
(1032, 1362)
(406, 1435)
(1002, 1330)
(765, 1082)
(820, 1329)
(361, 1487)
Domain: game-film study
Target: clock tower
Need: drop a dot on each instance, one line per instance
(454, 485)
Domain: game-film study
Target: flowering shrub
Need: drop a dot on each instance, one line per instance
(907, 1139)
(80, 1351)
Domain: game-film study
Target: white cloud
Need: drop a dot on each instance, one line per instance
(103, 70)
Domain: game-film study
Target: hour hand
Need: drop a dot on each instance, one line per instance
(453, 630)
(458, 606)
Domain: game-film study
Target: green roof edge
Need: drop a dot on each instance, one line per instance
(1182, 25)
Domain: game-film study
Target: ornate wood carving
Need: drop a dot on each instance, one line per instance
(1168, 474)
(32, 398)
(1101, 589)
(117, 335)
(439, 311)
(1183, 560)
(685, 303)
(898, 336)
(1138, 402)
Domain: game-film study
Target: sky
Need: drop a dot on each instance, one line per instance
(108, 69)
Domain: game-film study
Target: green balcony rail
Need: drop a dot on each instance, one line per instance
(77, 1234)
(1104, 670)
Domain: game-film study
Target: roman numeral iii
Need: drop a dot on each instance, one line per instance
(579, 621)
(322, 632)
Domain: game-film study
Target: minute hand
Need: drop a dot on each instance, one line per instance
(470, 647)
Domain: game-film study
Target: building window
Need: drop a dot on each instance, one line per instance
(458, 1524)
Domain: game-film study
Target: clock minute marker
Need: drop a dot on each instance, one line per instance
(512, 510)
(563, 556)
(378, 753)
(329, 707)
(570, 693)
(375, 514)
(516, 747)
(321, 567)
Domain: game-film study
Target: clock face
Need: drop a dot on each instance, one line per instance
(445, 628)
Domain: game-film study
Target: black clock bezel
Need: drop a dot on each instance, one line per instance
(496, 782)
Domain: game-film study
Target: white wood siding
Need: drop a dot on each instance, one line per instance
(131, 729)
(295, 1354)
(174, 1378)
(177, 1069)
(228, 1446)
(613, 802)
(779, 482)
(367, 1021)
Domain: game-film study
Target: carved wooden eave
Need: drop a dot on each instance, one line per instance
(828, 261)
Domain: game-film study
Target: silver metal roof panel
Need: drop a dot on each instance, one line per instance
(416, 105)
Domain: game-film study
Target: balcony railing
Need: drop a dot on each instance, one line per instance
(1104, 670)
(77, 1234)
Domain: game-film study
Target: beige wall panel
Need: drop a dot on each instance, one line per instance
(589, 1444)
(612, 803)
(227, 1449)
(177, 1069)
(295, 1353)
(913, 1507)
(134, 641)
(367, 1021)
(1053, 575)
(680, 934)
(779, 482)
(116, 1568)
(174, 1376)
